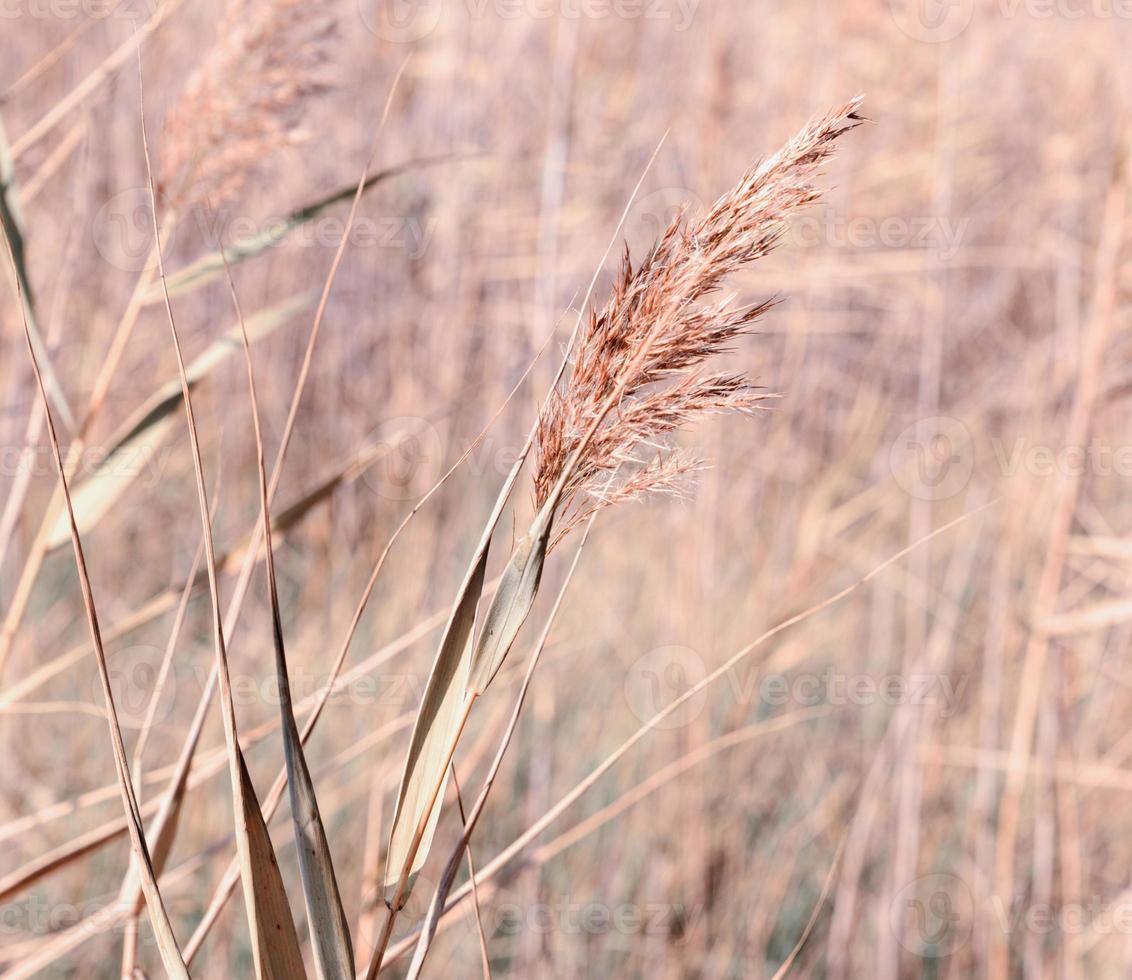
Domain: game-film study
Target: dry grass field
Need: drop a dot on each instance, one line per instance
(851, 699)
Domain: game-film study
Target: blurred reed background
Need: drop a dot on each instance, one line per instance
(931, 774)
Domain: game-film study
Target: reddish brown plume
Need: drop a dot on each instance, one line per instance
(665, 308)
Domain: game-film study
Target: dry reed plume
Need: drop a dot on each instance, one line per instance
(247, 98)
(646, 347)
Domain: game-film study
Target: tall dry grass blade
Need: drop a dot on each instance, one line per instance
(275, 944)
(440, 720)
(443, 705)
(326, 919)
(434, 736)
(134, 447)
(159, 918)
(11, 223)
(512, 603)
(428, 929)
(163, 830)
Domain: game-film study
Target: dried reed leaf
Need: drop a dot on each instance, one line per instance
(162, 832)
(435, 732)
(276, 952)
(326, 919)
(159, 918)
(12, 225)
(110, 478)
(133, 446)
(470, 819)
(511, 603)
(439, 721)
(275, 944)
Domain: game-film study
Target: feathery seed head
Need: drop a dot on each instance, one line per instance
(246, 99)
(647, 346)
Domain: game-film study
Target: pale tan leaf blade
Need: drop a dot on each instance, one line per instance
(511, 603)
(163, 831)
(437, 728)
(275, 944)
(11, 224)
(330, 932)
(326, 919)
(162, 928)
(439, 721)
(110, 478)
(133, 451)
